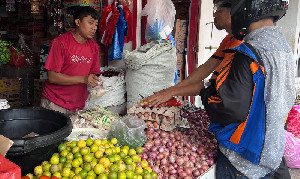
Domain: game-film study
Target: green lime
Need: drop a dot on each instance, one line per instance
(113, 175)
(83, 173)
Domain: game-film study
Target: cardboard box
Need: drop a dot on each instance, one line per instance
(181, 29)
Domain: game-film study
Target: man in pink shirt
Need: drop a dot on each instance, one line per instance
(72, 64)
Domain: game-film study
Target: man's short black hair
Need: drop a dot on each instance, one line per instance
(84, 11)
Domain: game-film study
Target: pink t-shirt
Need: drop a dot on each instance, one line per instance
(69, 57)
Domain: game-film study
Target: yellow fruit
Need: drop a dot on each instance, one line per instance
(77, 170)
(149, 169)
(73, 144)
(122, 166)
(72, 173)
(84, 150)
(88, 157)
(114, 141)
(118, 149)
(47, 173)
(89, 142)
(57, 174)
(144, 164)
(104, 141)
(98, 154)
(101, 148)
(76, 163)
(117, 158)
(38, 170)
(54, 168)
(46, 167)
(105, 162)
(75, 150)
(128, 160)
(139, 170)
(66, 172)
(136, 158)
(106, 146)
(77, 176)
(102, 176)
(81, 143)
(139, 150)
(64, 153)
(94, 148)
(99, 168)
(129, 174)
(121, 175)
(114, 167)
(30, 175)
(131, 152)
(92, 173)
(97, 142)
(54, 160)
(108, 151)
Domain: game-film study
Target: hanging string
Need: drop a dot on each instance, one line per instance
(211, 34)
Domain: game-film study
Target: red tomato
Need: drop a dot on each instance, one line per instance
(25, 177)
(54, 177)
(44, 177)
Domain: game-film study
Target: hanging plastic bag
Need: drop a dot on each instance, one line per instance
(160, 20)
(17, 57)
(9, 170)
(292, 150)
(96, 92)
(114, 50)
(129, 130)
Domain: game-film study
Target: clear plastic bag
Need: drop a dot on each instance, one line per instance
(96, 92)
(292, 150)
(129, 130)
(160, 20)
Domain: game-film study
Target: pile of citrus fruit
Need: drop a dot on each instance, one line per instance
(94, 159)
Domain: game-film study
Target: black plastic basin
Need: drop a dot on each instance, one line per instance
(51, 126)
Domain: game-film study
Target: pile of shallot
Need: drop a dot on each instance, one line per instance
(174, 155)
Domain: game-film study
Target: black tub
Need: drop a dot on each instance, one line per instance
(52, 127)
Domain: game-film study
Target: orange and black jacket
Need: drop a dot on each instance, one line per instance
(235, 103)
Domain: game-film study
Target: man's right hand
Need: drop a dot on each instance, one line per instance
(91, 80)
(158, 97)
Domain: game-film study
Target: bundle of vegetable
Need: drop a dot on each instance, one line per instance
(97, 117)
(174, 155)
(4, 51)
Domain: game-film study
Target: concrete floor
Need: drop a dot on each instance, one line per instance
(295, 173)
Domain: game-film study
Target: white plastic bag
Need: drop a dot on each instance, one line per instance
(292, 150)
(160, 20)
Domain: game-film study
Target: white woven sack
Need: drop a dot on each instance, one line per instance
(150, 68)
(115, 95)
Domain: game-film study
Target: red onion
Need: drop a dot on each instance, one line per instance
(169, 144)
(153, 149)
(150, 129)
(175, 165)
(201, 170)
(157, 162)
(161, 149)
(156, 169)
(164, 141)
(188, 164)
(172, 135)
(179, 152)
(166, 153)
(150, 136)
(163, 134)
(196, 173)
(145, 150)
(173, 177)
(194, 149)
(198, 165)
(182, 174)
(172, 149)
(141, 155)
(165, 169)
(160, 156)
(178, 137)
(138, 164)
(210, 162)
(155, 135)
(164, 161)
(172, 158)
(179, 161)
(165, 176)
(157, 142)
(205, 167)
(188, 171)
(200, 149)
(173, 172)
(148, 145)
(152, 155)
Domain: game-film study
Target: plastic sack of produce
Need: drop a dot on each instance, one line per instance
(160, 18)
(9, 170)
(150, 68)
(129, 130)
(292, 150)
(294, 121)
(113, 91)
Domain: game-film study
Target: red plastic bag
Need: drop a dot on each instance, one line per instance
(294, 121)
(9, 170)
(17, 58)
